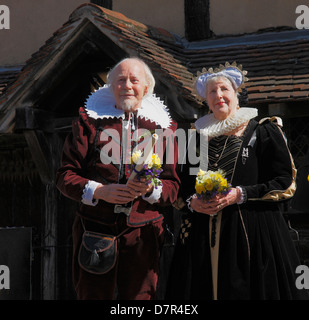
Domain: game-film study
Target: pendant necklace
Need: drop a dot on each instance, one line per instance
(215, 164)
(214, 218)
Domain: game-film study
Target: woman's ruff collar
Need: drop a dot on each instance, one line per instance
(214, 128)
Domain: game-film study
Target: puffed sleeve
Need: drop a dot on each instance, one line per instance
(70, 179)
(169, 176)
(276, 172)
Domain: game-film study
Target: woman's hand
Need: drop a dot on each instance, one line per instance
(216, 204)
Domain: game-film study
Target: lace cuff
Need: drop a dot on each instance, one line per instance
(189, 203)
(155, 195)
(87, 197)
(243, 195)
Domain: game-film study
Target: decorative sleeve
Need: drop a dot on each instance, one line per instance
(276, 171)
(69, 177)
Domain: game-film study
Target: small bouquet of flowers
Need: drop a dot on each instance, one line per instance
(150, 170)
(210, 184)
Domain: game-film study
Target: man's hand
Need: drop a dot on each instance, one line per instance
(122, 193)
(115, 193)
(140, 186)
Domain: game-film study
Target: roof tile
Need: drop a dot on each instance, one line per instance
(278, 66)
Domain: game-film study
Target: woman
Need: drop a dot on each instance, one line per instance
(237, 246)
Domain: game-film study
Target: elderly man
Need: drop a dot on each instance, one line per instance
(95, 171)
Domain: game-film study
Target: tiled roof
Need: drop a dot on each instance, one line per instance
(277, 62)
(8, 75)
(154, 45)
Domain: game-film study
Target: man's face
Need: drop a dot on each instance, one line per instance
(129, 85)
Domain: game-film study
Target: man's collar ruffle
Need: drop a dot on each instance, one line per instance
(101, 105)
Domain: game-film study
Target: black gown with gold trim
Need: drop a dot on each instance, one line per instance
(257, 258)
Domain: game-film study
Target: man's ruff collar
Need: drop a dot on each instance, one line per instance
(101, 104)
(215, 128)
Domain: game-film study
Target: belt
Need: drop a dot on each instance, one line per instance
(119, 208)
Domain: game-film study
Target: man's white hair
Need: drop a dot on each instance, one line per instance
(150, 81)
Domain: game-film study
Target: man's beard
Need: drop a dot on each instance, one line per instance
(127, 105)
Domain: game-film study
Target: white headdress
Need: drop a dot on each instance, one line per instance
(233, 72)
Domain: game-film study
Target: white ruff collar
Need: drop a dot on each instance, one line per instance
(101, 104)
(215, 128)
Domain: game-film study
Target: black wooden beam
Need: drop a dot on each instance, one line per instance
(197, 20)
(29, 118)
(108, 4)
(41, 154)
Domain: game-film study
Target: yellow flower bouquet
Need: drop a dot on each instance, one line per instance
(210, 184)
(151, 169)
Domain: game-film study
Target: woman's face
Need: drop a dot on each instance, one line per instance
(221, 98)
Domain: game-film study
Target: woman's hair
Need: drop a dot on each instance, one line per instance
(219, 76)
(150, 81)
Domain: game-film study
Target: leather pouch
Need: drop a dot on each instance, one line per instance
(98, 252)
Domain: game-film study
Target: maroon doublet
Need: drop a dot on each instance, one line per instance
(136, 271)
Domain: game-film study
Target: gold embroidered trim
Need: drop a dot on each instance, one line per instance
(277, 195)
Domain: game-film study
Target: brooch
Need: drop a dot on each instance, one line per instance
(245, 155)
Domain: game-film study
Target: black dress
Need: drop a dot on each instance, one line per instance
(256, 258)
(301, 200)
